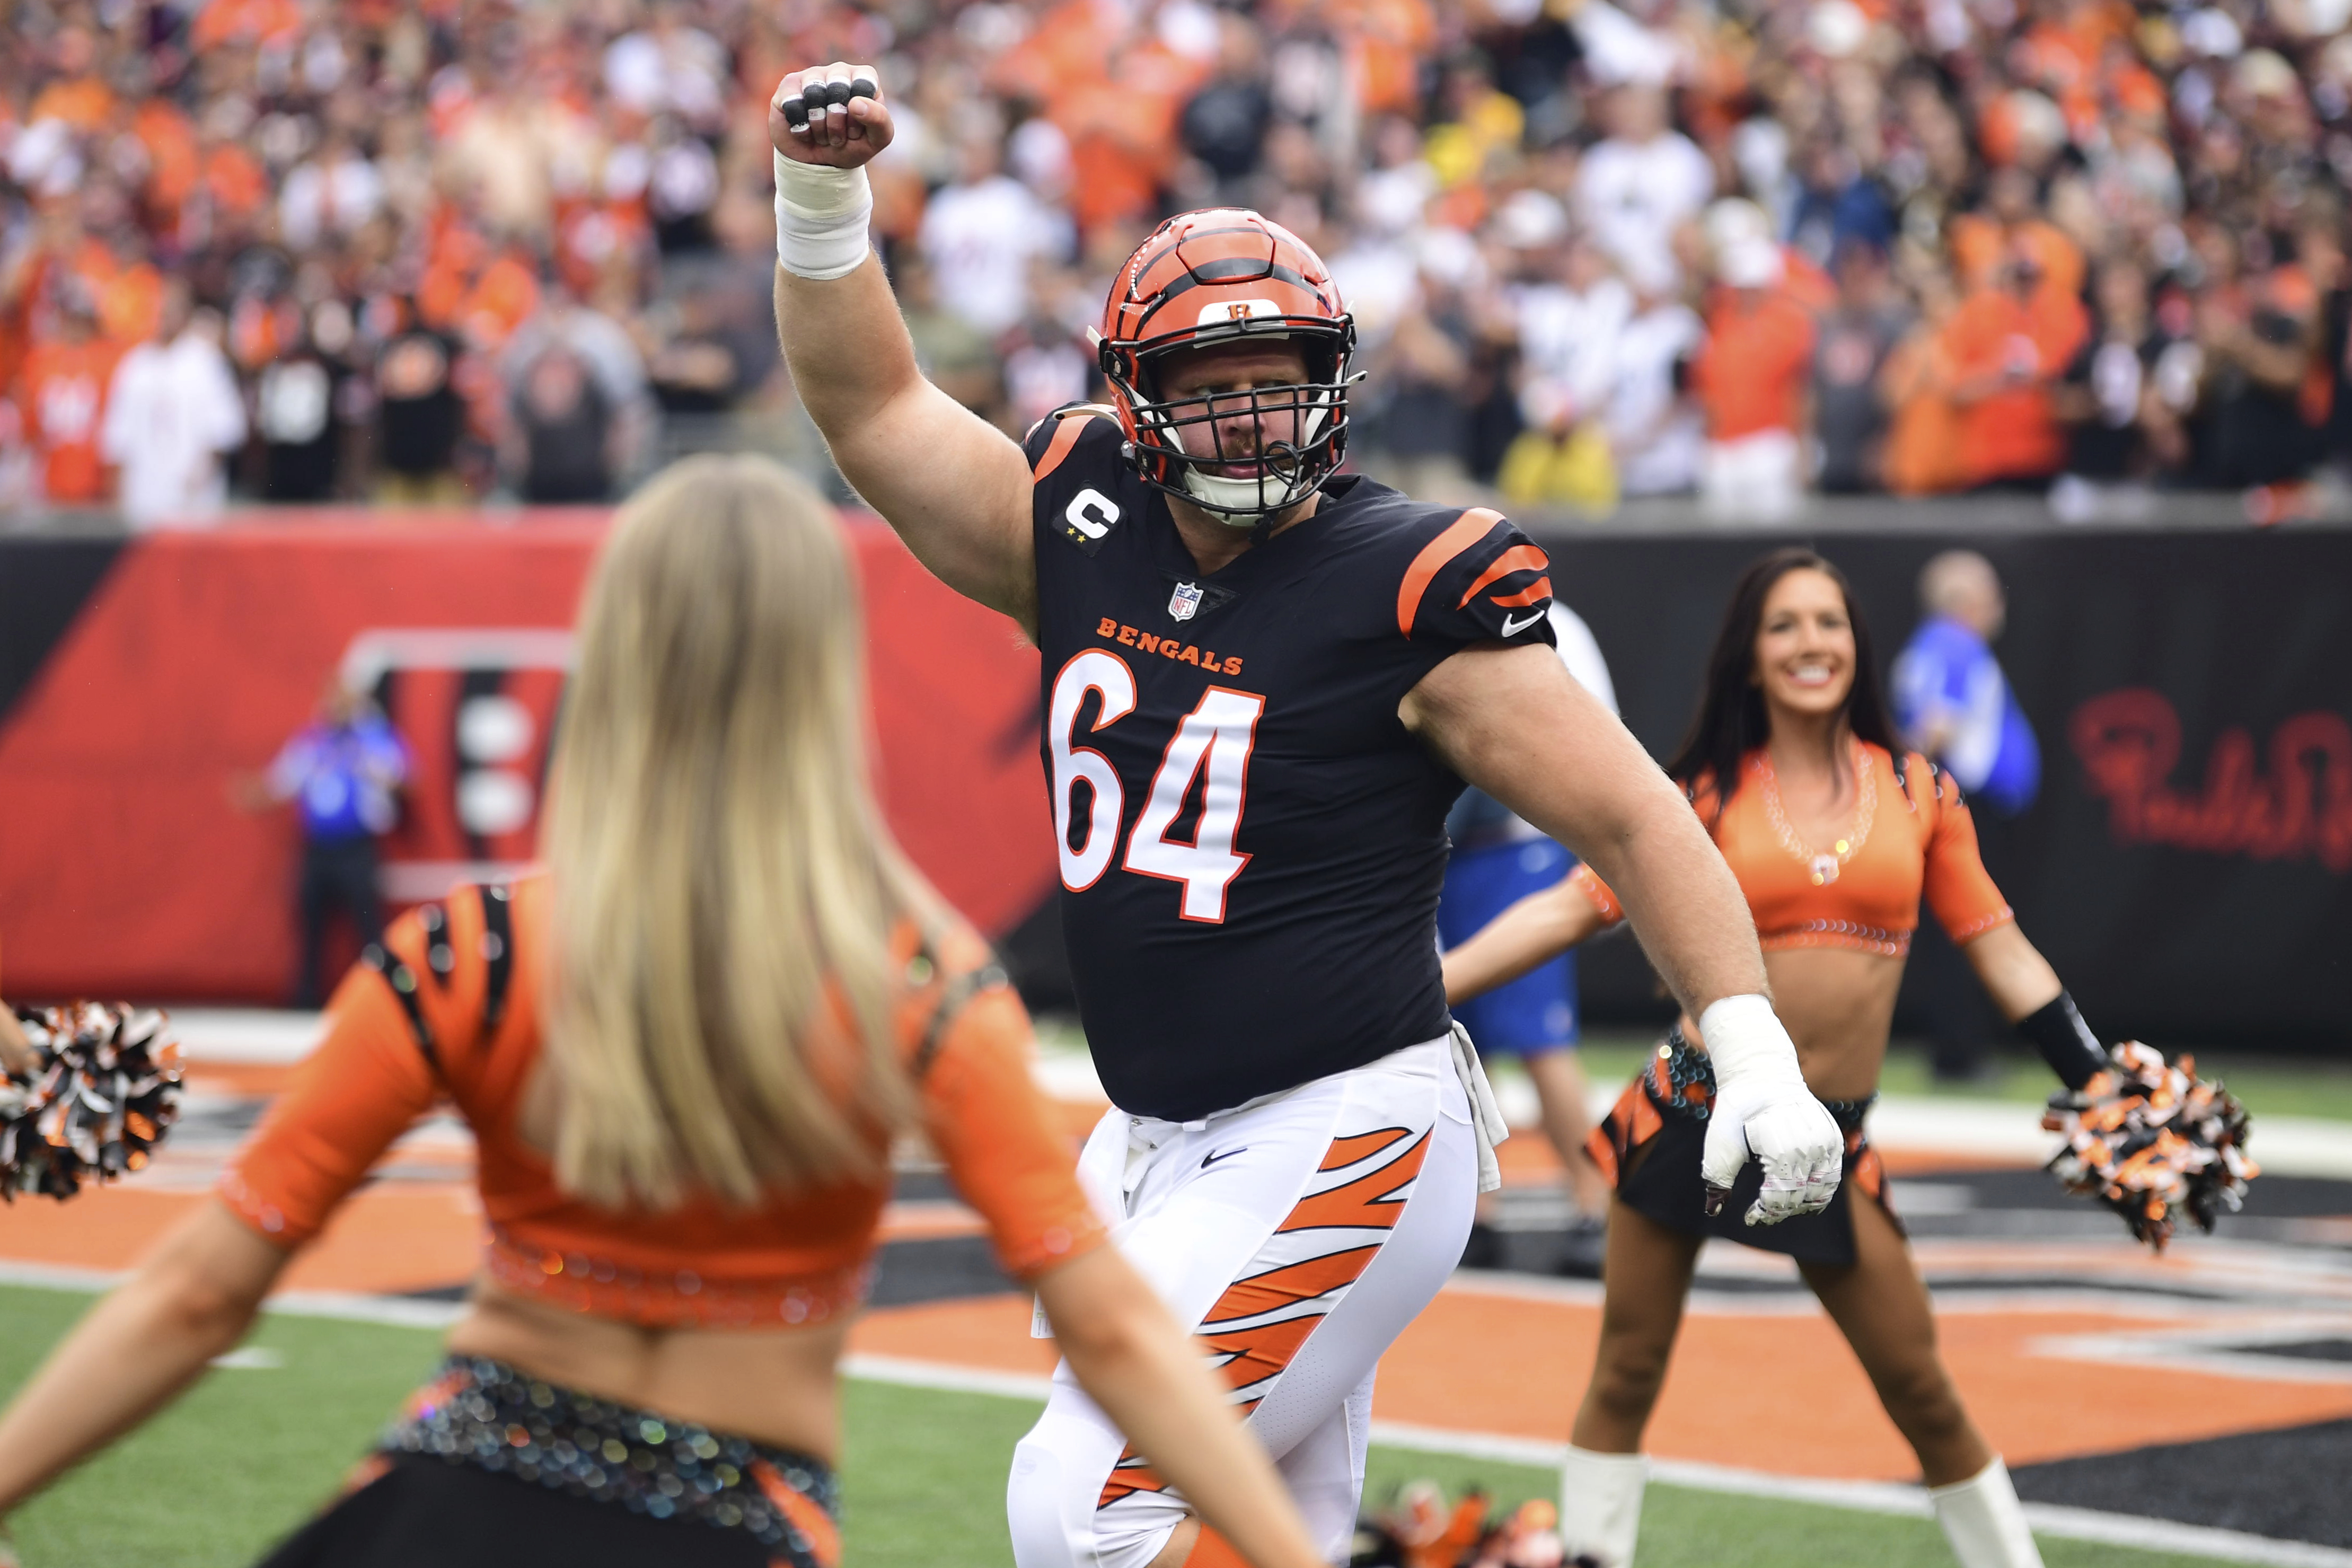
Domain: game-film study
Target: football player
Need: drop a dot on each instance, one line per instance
(1263, 681)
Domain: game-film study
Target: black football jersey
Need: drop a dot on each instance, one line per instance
(1251, 842)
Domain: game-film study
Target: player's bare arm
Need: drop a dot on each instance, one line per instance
(953, 487)
(1512, 722)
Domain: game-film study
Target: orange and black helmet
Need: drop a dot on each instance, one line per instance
(1226, 275)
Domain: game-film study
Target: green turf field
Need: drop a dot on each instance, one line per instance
(213, 1480)
(2268, 1086)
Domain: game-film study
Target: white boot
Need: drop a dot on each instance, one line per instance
(1982, 1519)
(1601, 1506)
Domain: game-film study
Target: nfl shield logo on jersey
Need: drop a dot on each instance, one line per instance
(1184, 600)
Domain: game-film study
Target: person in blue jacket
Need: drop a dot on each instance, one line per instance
(1951, 700)
(340, 771)
(1953, 704)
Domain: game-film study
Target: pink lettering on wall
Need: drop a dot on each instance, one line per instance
(2301, 804)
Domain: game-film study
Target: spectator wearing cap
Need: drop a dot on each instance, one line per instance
(173, 410)
(2008, 345)
(1753, 379)
(1570, 308)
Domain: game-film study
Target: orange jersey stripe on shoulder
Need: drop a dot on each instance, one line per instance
(1067, 430)
(1517, 558)
(1466, 531)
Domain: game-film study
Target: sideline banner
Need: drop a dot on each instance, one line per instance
(126, 869)
(2188, 866)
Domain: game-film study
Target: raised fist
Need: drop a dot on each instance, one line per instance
(832, 116)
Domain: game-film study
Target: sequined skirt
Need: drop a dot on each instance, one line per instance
(1649, 1145)
(482, 1449)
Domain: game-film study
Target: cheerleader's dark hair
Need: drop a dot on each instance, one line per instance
(1731, 720)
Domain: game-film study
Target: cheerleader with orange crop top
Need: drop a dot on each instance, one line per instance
(1837, 837)
(684, 1051)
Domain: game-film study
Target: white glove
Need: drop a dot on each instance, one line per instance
(1762, 1106)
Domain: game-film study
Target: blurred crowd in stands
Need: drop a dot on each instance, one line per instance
(300, 251)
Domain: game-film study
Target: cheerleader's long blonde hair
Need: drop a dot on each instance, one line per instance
(717, 856)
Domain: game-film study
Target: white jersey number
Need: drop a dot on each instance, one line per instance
(1093, 671)
(1215, 738)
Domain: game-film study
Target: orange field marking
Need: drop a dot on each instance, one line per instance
(1490, 1355)
(989, 1333)
(257, 1079)
(388, 1239)
(1780, 1394)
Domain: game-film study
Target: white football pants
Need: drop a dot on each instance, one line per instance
(1297, 1235)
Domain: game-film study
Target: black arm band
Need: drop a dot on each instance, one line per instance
(2064, 1041)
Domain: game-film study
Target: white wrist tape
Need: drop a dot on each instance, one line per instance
(821, 218)
(1744, 1039)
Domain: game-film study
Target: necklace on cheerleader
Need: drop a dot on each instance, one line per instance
(1823, 868)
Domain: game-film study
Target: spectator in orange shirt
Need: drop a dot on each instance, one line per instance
(2009, 346)
(233, 178)
(2012, 220)
(1122, 133)
(1752, 380)
(78, 97)
(1923, 434)
(64, 398)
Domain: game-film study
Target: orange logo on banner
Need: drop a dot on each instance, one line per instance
(2130, 741)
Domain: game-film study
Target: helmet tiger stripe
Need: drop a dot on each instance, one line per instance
(1219, 275)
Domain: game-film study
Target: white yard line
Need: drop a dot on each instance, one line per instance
(1979, 1129)
(1865, 1497)
(1862, 1497)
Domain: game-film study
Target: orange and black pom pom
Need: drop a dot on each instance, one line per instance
(2151, 1141)
(102, 1098)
